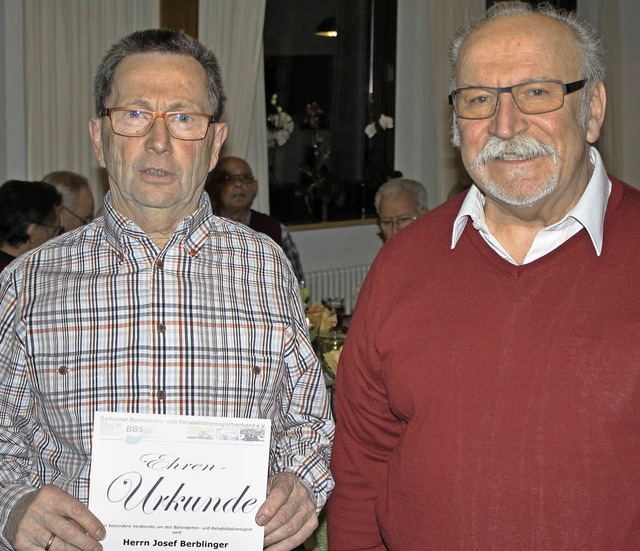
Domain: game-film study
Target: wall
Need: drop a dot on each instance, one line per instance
(324, 249)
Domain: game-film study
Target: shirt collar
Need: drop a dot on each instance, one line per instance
(194, 228)
(589, 211)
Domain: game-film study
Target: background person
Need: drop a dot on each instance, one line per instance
(28, 217)
(77, 201)
(185, 312)
(487, 395)
(398, 203)
(233, 188)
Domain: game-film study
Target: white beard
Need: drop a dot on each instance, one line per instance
(511, 191)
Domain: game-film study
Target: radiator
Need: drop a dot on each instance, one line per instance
(337, 283)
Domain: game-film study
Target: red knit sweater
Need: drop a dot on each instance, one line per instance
(482, 405)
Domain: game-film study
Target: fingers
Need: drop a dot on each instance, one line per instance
(51, 511)
(288, 514)
(291, 534)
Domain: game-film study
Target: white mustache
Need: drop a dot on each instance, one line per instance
(517, 148)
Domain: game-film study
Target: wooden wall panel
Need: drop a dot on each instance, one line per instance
(180, 15)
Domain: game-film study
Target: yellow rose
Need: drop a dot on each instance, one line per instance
(332, 358)
(322, 318)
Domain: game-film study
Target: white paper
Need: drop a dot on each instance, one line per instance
(183, 482)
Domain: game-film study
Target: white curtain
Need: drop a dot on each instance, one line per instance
(233, 30)
(423, 150)
(617, 21)
(64, 41)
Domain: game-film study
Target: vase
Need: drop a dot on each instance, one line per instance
(328, 347)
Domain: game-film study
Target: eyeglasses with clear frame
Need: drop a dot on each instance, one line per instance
(135, 123)
(400, 222)
(531, 98)
(232, 178)
(84, 221)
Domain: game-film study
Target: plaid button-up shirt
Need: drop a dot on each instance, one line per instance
(101, 319)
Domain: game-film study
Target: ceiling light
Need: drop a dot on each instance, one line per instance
(327, 28)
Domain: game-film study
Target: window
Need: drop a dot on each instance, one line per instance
(322, 165)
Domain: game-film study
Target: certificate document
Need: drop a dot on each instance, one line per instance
(163, 481)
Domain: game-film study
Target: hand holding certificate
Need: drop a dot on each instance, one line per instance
(179, 481)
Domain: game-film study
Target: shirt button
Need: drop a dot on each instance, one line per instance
(160, 264)
(476, 226)
(161, 395)
(121, 256)
(162, 328)
(256, 370)
(63, 370)
(193, 252)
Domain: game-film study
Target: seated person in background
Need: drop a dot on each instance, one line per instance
(77, 201)
(29, 216)
(398, 203)
(233, 188)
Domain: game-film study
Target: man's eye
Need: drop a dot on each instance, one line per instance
(538, 92)
(182, 117)
(135, 114)
(479, 99)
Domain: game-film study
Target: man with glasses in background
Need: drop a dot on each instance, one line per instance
(28, 217)
(232, 188)
(159, 307)
(488, 393)
(399, 202)
(77, 201)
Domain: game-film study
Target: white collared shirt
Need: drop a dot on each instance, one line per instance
(588, 213)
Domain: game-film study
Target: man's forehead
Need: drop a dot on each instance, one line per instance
(233, 167)
(159, 72)
(512, 49)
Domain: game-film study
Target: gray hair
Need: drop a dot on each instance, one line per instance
(588, 38)
(67, 183)
(163, 41)
(398, 186)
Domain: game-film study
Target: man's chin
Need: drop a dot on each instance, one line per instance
(520, 193)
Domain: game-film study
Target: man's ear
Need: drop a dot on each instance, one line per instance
(95, 131)
(31, 230)
(220, 129)
(597, 108)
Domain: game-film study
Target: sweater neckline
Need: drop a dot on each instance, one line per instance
(580, 239)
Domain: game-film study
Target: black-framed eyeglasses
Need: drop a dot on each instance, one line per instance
(400, 222)
(58, 229)
(531, 98)
(232, 178)
(84, 221)
(135, 123)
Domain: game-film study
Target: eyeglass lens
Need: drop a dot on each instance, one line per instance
(231, 178)
(400, 222)
(84, 221)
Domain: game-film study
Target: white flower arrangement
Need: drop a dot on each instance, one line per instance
(384, 122)
(279, 125)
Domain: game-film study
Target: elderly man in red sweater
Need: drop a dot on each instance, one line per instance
(488, 395)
